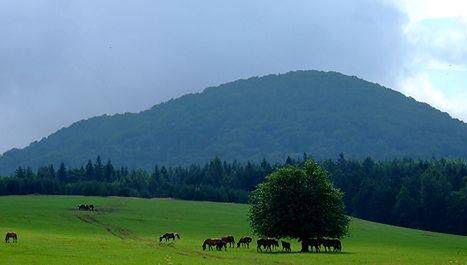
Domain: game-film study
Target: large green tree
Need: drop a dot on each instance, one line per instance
(298, 202)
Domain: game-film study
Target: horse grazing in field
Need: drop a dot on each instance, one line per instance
(229, 240)
(244, 241)
(315, 243)
(168, 236)
(267, 244)
(286, 246)
(86, 207)
(11, 235)
(334, 245)
(214, 242)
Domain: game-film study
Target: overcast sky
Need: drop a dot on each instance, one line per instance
(62, 61)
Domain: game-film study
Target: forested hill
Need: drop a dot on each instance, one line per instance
(321, 113)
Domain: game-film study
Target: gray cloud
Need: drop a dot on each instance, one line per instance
(61, 61)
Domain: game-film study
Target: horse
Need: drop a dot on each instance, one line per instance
(266, 243)
(315, 243)
(214, 242)
(86, 207)
(83, 207)
(168, 236)
(274, 242)
(286, 246)
(244, 241)
(221, 244)
(336, 245)
(11, 235)
(229, 240)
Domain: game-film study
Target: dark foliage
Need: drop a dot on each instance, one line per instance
(323, 113)
(298, 202)
(425, 194)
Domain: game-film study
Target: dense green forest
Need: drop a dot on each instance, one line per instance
(272, 117)
(425, 194)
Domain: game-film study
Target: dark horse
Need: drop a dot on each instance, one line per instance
(244, 241)
(11, 235)
(168, 236)
(214, 242)
(267, 244)
(286, 246)
(86, 207)
(229, 240)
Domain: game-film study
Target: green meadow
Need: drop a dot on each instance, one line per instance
(126, 231)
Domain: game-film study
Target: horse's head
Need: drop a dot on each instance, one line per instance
(177, 235)
(160, 238)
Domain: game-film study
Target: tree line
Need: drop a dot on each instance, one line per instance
(424, 194)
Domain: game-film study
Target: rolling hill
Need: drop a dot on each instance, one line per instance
(321, 113)
(125, 231)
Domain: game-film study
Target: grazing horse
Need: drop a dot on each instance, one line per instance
(11, 235)
(86, 207)
(229, 240)
(286, 246)
(168, 236)
(214, 242)
(266, 243)
(315, 243)
(336, 245)
(244, 241)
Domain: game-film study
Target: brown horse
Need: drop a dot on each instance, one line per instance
(11, 235)
(267, 244)
(229, 240)
(214, 242)
(168, 236)
(244, 241)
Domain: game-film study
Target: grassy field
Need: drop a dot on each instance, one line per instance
(126, 230)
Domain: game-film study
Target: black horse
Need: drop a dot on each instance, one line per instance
(168, 236)
(244, 241)
(286, 246)
(267, 244)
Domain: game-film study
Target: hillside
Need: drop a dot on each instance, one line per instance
(125, 231)
(321, 113)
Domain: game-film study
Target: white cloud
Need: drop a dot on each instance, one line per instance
(420, 87)
(437, 34)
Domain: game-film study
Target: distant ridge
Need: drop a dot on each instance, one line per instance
(321, 113)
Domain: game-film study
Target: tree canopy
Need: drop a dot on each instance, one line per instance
(298, 202)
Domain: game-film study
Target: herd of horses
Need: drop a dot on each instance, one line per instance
(270, 244)
(331, 245)
(266, 244)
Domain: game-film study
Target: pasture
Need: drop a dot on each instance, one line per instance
(126, 231)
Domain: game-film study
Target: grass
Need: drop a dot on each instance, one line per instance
(126, 230)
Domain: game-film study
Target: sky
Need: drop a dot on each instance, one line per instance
(63, 61)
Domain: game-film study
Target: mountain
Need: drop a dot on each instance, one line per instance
(321, 113)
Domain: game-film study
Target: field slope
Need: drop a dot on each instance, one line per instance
(124, 231)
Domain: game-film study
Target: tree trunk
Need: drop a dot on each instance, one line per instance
(305, 245)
